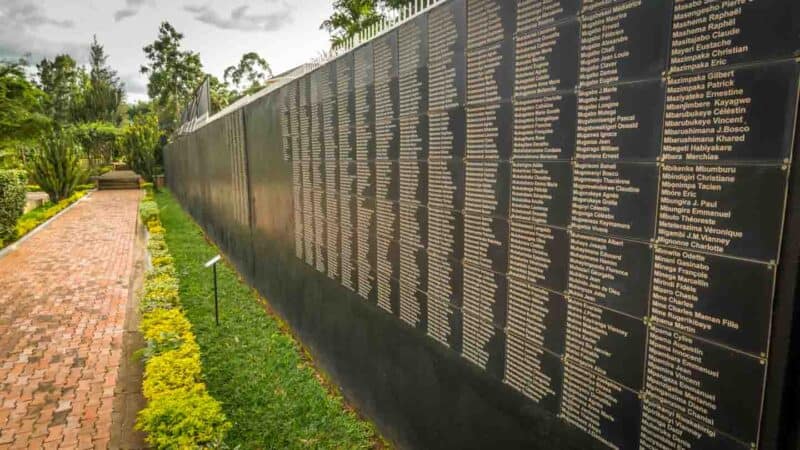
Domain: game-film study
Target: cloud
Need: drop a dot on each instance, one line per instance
(20, 32)
(123, 14)
(27, 14)
(240, 19)
(34, 48)
(132, 8)
(135, 83)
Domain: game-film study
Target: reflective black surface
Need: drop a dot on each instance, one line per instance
(534, 223)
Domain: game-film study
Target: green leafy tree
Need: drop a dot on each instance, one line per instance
(63, 81)
(249, 75)
(140, 108)
(56, 166)
(22, 114)
(99, 141)
(353, 16)
(397, 4)
(105, 92)
(173, 74)
(349, 18)
(141, 142)
(220, 94)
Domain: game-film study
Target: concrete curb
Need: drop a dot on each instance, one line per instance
(13, 247)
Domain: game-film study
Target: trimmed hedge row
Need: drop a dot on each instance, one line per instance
(12, 202)
(180, 413)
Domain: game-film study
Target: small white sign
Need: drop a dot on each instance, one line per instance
(213, 261)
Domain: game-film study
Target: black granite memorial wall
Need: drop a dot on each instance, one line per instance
(533, 224)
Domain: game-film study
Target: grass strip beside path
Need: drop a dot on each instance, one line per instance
(268, 390)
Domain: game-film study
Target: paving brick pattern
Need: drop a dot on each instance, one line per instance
(62, 309)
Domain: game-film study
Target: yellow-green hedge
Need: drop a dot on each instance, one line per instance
(38, 216)
(180, 413)
(148, 210)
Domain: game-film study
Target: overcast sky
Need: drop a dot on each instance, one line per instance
(285, 32)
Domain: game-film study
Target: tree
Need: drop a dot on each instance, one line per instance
(141, 141)
(352, 16)
(62, 80)
(396, 4)
(173, 73)
(56, 166)
(248, 76)
(22, 113)
(105, 92)
(219, 93)
(98, 140)
(139, 108)
(100, 71)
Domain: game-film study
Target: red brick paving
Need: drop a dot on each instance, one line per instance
(62, 309)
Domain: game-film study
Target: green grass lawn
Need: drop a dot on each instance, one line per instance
(269, 391)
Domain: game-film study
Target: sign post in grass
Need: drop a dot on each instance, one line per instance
(213, 264)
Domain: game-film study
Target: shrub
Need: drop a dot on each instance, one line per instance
(156, 241)
(156, 231)
(159, 250)
(25, 226)
(100, 140)
(55, 166)
(157, 245)
(141, 141)
(162, 324)
(163, 261)
(160, 292)
(33, 219)
(149, 305)
(180, 414)
(166, 270)
(148, 211)
(183, 420)
(12, 202)
(173, 370)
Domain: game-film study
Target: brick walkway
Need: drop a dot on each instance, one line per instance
(62, 307)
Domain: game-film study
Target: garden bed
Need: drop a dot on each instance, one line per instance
(37, 216)
(268, 387)
(180, 413)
